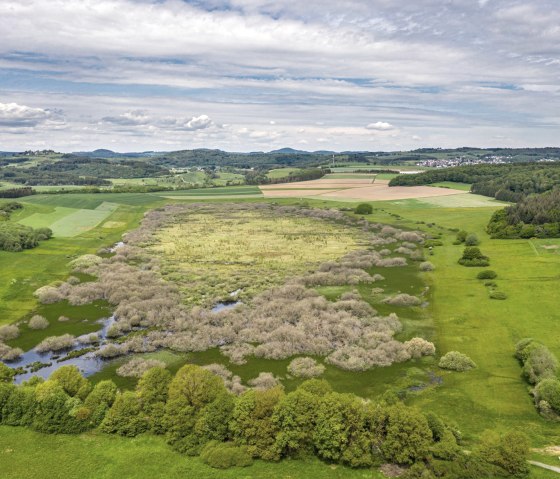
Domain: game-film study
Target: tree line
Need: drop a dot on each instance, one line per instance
(505, 182)
(534, 216)
(258, 177)
(198, 416)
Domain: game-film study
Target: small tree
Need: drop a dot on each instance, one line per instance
(363, 209)
(408, 436)
(252, 424)
(472, 240)
(125, 417)
(72, 381)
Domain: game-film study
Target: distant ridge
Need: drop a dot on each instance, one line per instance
(104, 153)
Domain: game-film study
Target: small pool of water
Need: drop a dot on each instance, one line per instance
(225, 306)
(88, 363)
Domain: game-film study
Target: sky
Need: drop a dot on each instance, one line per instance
(257, 75)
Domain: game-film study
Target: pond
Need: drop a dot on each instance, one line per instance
(44, 364)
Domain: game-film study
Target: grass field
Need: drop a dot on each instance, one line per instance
(25, 454)
(494, 395)
(462, 317)
(281, 172)
(453, 185)
(22, 273)
(68, 222)
(224, 191)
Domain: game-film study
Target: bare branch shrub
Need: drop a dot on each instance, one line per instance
(136, 367)
(48, 294)
(427, 266)
(264, 381)
(403, 299)
(418, 347)
(38, 322)
(305, 368)
(56, 343)
(231, 381)
(8, 332)
(391, 262)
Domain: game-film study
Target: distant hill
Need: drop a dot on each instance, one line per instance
(103, 153)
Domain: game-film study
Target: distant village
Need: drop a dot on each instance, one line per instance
(469, 160)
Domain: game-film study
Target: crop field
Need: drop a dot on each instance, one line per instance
(355, 188)
(69, 222)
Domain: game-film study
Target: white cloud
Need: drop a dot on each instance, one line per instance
(13, 115)
(452, 71)
(380, 126)
(130, 118)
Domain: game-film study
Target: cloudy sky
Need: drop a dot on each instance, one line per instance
(246, 75)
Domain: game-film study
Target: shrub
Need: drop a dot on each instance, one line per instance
(8, 332)
(472, 240)
(56, 343)
(539, 364)
(403, 299)
(472, 256)
(305, 368)
(85, 261)
(136, 367)
(38, 322)
(487, 274)
(461, 236)
(363, 209)
(264, 381)
(418, 347)
(549, 390)
(498, 295)
(427, 266)
(6, 374)
(456, 361)
(48, 294)
(225, 455)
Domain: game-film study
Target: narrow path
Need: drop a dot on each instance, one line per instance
(545, 466)
(534, 249)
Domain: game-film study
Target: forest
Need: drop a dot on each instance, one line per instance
(506, 182)
(533, 216)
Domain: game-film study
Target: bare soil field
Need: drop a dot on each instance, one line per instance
(353, 189)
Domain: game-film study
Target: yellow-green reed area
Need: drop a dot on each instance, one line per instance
(213, 255)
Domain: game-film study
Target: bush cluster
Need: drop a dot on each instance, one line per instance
(540, 368)
(15, 237)
(487, 274)
(472, 256)
(456, 361)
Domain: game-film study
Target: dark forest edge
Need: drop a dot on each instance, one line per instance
(198, 416)
(533, 187)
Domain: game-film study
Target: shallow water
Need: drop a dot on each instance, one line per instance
(87, 364)
(225, 306)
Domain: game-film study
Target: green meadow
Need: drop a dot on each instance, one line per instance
(460, 316)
